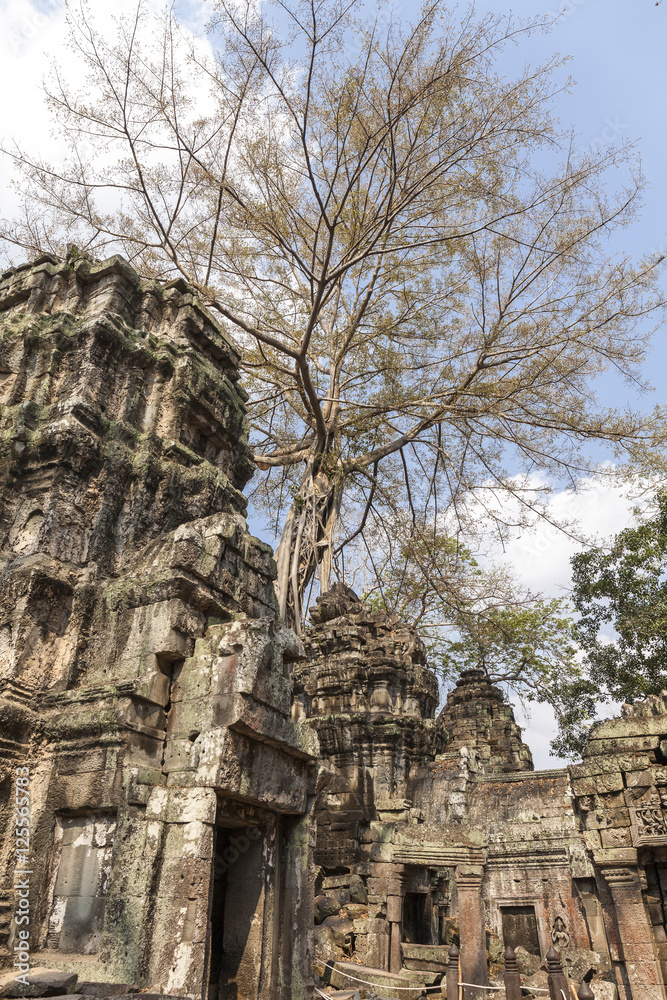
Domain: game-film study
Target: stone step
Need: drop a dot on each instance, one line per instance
(40, 982)
(425, 976)
(99, 989)
(386, 983)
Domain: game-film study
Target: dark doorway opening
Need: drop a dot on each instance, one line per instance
(218, 911)
(417, 918)
(520, 928)
(656, 899)
(237, 911)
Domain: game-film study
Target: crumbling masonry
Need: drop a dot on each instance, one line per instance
(438, 830)
(144, 674)
(215, 807)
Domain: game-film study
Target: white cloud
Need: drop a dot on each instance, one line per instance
(540, 558)
(539, 726)
(31, 33)
(34, 37)
(540, 555)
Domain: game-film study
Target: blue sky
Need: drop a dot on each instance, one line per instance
(619, 66)
(617, 50)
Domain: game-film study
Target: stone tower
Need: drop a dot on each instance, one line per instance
(144, 674)
(370, 697)
(476, 716)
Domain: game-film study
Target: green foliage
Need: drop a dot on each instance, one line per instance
(619, 588)
(477, 616)
(529, 650)
(624, 587)
(528, 647)
(577, 700)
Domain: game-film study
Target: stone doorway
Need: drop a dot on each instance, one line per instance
(418, 918)
(237, 914)
(520, 928)
(655, 867)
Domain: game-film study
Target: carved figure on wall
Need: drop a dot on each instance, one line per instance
(559, 933)
(381, 700)
(358, 701)
(650, 821)
(299, 710)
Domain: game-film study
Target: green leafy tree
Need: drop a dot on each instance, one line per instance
(527, 649)
(474, 615)
(531, 653)
(623, 589)
(620, 594)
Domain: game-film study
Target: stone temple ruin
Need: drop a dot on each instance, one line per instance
(216, 809)
(145, 677)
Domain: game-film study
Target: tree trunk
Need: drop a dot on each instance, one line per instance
(306, 544)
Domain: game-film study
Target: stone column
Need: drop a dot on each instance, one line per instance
(634, 927)
(395, 916)
(385, 901)
(184, 820)
(471, 926)
(292, 972)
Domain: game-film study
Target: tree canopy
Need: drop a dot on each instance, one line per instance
(409, 250)
(624, 587)
(619, 595)
(477, 615)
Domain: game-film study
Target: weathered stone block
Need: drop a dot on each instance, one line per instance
(616, 837)
(384, 887)
(325, 906)
(42, 982)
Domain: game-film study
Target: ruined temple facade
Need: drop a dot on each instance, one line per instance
(432, 830)
(144, 672)
(215, 805)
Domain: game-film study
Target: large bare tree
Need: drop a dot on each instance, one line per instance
(413, 257)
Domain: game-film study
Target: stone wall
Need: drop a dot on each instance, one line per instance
(438, 830)
(621, 798)
(205, 790)
(144, 674)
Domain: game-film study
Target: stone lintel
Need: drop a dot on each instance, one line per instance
(616, 857)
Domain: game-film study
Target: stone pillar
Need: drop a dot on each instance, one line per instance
(395, 955)
(471, 926)
(385, 899)
(292, 973)
(185, 819)
(395, 916)
(596, 927)
(634, 927)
